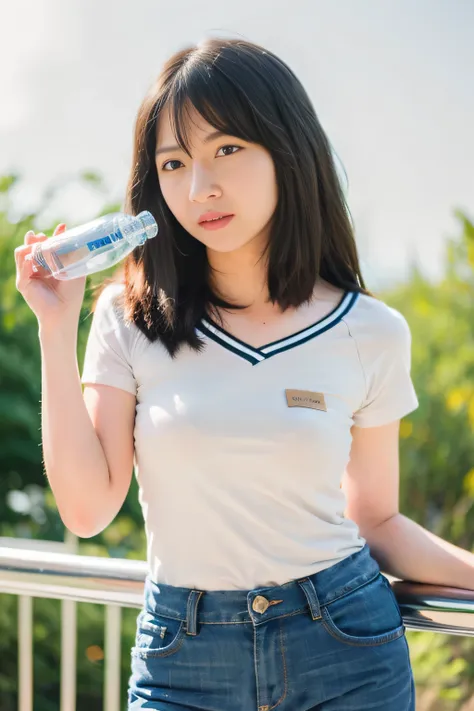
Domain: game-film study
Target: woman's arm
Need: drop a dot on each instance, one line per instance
(88, 453)
(402, 547)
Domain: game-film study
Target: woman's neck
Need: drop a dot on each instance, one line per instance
(240, 278)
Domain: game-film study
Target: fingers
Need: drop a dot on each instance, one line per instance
(30, 239)
(60, 228)
(25, 249)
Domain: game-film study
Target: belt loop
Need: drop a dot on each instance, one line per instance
(191, 612)
(311, 595)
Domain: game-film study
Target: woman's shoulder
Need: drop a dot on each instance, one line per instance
(363, 311)
(111, 295)
(110, 302)
(371, 317)
(109, 310)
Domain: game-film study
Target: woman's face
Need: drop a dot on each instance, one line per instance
(224, 174)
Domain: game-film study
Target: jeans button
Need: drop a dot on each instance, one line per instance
(260, 604)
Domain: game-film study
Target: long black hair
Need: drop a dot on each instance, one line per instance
(245, 91)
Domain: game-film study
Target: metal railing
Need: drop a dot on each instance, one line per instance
(34, 572)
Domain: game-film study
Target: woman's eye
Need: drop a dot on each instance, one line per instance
(169, 162)
(225, 147)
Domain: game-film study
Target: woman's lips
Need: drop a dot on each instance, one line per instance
(216, 224)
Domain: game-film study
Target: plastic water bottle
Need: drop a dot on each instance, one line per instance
(93, 246)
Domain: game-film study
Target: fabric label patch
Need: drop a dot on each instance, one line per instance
(305, 398)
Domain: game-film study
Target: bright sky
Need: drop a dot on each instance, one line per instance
(391, 82)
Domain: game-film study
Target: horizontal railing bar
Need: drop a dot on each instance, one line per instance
(61, 563)
(68, 576)
(120, 581)
(436, 608)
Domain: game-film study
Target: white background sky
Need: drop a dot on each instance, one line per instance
(391, 81)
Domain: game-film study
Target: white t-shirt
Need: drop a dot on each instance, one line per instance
(239, 451)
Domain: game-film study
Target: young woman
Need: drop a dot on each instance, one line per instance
(244, 370)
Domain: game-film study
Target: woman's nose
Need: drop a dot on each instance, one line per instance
(203, 186)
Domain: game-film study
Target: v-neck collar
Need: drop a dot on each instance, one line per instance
(208, 328)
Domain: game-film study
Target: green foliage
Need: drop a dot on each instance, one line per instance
(436, 462)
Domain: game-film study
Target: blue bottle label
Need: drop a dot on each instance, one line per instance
(108, 239)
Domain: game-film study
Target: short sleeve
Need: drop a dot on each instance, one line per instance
(387, 366)
(107, 359)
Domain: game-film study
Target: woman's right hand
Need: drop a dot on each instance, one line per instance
(54, 302)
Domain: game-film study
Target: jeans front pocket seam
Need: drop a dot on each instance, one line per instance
(370, 641)
(143, 653)
(172, 648)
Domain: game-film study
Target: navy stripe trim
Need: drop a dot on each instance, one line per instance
(317, 333)
(205, 331)
(240, 348)
(313, 325)
(225, 335)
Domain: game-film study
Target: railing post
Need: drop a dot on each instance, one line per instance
(25, 653)
(69, 640)
(68, 655)
(112, 651)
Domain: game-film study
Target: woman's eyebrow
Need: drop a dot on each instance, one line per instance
(210, 137)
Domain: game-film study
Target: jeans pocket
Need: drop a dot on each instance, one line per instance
(367, 616)
(157, 635)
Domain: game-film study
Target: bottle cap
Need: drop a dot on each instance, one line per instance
(149, 223)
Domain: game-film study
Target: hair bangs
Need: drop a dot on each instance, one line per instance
(219, 101)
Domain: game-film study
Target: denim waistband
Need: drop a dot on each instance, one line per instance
(262, 604)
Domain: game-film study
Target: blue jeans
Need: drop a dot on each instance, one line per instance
(334, 641)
